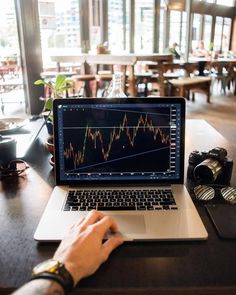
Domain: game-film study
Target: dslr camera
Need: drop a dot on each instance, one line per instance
(210, 167)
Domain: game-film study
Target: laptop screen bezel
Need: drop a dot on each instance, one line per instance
(129, 100)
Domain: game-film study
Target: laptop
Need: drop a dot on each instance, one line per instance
(124, 157)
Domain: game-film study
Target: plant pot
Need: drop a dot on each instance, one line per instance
(49, 126)
(50, 144)
(50, 148)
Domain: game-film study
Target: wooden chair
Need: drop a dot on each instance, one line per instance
(221, 73)
(121, 63)
(85, 89)
(84, 81)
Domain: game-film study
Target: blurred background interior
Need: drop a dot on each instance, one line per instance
(40, 38)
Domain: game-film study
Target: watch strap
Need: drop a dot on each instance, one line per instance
(61, 275)
(53, 277)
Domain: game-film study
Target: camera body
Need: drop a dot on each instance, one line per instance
(210, 167)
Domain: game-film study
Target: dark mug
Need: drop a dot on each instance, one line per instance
(7, 151)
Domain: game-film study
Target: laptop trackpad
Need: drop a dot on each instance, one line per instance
(130, 224)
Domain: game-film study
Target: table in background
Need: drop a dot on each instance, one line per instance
(184, 267)
(120, 59)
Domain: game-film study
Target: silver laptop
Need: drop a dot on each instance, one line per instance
(124, 157)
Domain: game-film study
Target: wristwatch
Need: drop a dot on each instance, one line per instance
(54, 270)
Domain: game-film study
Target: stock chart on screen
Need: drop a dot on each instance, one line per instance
(115, 141)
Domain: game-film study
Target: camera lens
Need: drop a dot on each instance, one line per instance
(208, 170)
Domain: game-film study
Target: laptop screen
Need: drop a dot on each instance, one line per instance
(126, 140)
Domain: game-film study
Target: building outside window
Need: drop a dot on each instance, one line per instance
(225, 2)
(116, 25)
(196, 30)
(218, 33)
(59, 28)
(226, 34)
(178, 29)
(144, 19)
(10, 59)
(175, 27)
(207, 31)
(95, 24)
(161, 26)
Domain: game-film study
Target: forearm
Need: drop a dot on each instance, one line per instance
(40, 287)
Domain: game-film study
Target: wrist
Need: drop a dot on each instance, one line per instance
(46, 284)
(54, 270)
(74, 271)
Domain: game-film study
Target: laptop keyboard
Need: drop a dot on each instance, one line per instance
(120, 199)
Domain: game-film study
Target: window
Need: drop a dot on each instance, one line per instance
(57, 19)
(207, 30)
(144, 19)
(9, 46)
(116, 25)
(95, 26)
(178, 24)
(183, 40)
(10, 57)
(225, 2)
(218, 33)
(175, 26)
(196, 30)
(161, 25)
(226, 34)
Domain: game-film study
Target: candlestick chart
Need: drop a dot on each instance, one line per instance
(117, 141)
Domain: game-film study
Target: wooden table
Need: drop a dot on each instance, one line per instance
(128, 60)
(183, 85)
(179, 268)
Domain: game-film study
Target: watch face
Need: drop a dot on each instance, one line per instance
(48, 266)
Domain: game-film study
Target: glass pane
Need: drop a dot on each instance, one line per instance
(207, 31)
(175, 26)
(161, 37)
(10, 62)
(116, 26)
(127, 26)
(178, 22)
(59, 28)
(218, 33)
(196, 30)
(183, 33)
(144, 25)
(95, 26)
(226, 34)
(225, 2)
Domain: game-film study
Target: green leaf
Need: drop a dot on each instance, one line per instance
(39, 82)
(48, 104)
(60, 80)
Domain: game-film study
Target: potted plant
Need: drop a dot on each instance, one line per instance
(57, 89)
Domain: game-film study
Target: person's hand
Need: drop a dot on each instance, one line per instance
(83, 249)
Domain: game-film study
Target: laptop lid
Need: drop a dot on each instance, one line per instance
(114, 141)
